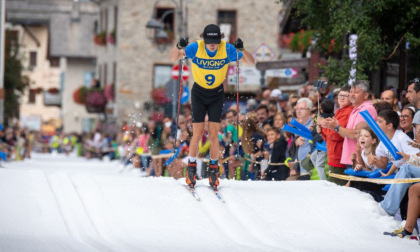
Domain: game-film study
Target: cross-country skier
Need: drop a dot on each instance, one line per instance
(210, 58)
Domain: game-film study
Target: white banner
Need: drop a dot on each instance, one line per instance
(353, 57)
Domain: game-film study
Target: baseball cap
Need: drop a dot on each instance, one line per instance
(283, 97)
(212, 34)
(276, 93)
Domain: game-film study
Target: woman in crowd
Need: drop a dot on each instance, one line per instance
(406, 120)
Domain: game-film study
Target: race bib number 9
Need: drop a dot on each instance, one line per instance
(210, 79)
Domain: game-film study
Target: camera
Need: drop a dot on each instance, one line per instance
(320, 84)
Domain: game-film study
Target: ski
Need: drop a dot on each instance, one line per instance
(193, 192)
(216, 192)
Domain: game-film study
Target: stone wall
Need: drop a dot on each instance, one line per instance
(257, 23)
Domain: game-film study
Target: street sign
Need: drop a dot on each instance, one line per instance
(263, 53)
(185, 95)
(175, 73)
(282, 73)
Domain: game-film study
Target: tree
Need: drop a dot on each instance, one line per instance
(383, 28)
(14, 82)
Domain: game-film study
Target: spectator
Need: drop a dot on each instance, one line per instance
(391, 97)
(318, 157)
(303, 112)
(413, 93)
(359, 94)
(278, 145)
(381, 105)
(388, 121)
(251, 104)
(413, 213)
(275, 95)
(155, 144)
(279, 120)
(283, 103)
(406, 120)
(272, 110)
(252, 144)
(262, 113)
(335, 140)
(266, 94)
(369, 142)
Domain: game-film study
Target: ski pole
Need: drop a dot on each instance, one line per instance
(179, 99)
(237, 103)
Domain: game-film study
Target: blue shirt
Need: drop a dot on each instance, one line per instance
(305, 149)
(191, 51)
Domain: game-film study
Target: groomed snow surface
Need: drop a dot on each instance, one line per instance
(58, 203)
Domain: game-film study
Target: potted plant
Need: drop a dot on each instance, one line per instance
(79, 96)
(95, 100)
(100, 38)
(159, 96)
(111, 37)
(53, 90)
(109, 92)
(38, 90)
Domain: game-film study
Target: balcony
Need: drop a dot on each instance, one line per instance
(52, 97)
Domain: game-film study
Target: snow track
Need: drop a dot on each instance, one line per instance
(71, 204)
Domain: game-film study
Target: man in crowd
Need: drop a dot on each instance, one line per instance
(262, 113)
(359, 97)
(303, 113)
(391, 97)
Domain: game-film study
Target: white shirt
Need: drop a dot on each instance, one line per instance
(400, 141)
(365, 159)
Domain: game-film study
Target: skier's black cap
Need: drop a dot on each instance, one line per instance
(212, 34)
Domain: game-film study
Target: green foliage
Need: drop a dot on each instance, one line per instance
(381, 25)
(14, 82)
(301, 41)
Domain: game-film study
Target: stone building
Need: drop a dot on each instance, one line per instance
(137, 65)
(58, 54)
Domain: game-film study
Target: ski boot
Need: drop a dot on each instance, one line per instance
(214, 176)
(191, 174)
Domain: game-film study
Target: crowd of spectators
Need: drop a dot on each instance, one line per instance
(258, 148)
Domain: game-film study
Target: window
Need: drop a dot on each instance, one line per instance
(169, 22)
(99, 75)
(32, 59)
(115, 19)
(227, 24)
(101, 20)
(162, 75)
(32, 95)
(106, 20)
(114, 72)
(54, 62)
(105, 75)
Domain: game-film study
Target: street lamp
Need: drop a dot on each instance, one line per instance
(155, 28)
(156, 33)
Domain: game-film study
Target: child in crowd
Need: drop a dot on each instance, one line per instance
(278, 146)
(368, 141)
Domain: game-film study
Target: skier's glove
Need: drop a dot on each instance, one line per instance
(239, 44)
(183, 42)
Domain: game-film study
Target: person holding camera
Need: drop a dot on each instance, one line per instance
(210, 58)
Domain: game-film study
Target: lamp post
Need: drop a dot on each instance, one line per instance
(157, 34)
